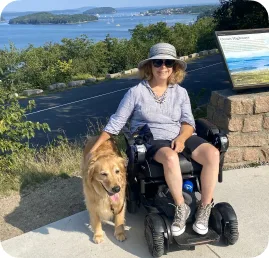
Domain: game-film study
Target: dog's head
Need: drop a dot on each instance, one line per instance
(109, 171)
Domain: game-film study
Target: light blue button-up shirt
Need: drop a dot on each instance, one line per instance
(164, 119)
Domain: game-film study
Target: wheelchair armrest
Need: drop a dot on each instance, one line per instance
(212, 134)
(135, 147)
(128, 136)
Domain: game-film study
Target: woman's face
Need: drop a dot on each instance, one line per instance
(161, 72)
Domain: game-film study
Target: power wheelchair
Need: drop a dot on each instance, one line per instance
(146, 186)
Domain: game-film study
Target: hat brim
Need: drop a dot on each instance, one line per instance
(182, 63)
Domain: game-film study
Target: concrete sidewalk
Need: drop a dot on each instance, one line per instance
(247, 190)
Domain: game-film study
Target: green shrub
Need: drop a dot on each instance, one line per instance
(15, 130)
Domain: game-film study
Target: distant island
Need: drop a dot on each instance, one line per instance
(101, 10)
(180, 10)
(2, 19)
(49, 18)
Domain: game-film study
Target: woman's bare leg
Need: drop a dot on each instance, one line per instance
(172, 173)
(208, 156)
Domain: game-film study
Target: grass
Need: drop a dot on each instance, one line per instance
(60, 159)
(253, 77)
(33, 166)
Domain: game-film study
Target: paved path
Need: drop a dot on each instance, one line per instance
(245, 189)
(72, 110)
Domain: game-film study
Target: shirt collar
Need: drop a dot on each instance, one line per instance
(146, 83)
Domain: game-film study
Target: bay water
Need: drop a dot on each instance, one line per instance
(118, 25)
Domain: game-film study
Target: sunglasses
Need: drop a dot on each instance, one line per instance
(169, 63)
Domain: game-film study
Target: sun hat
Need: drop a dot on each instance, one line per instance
(163, 51)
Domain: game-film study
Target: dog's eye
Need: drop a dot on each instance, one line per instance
(103, 174)
(117, 171)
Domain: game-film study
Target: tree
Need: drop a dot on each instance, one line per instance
(240, 14)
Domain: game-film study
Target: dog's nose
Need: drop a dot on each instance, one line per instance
(116, 189)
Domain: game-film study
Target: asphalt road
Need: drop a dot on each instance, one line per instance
(78, 110)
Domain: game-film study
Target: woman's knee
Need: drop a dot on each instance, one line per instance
(171, 160)
(212, 155)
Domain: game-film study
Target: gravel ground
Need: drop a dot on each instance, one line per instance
(34, 208)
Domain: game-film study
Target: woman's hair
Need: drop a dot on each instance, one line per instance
(177, 75)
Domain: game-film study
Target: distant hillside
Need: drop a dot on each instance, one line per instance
(2, 18)
(101, 10)
(65, 11)
(49, 18)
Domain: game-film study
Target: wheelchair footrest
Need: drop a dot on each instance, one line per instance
(191, 238)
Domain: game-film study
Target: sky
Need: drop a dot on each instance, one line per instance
(46, 5)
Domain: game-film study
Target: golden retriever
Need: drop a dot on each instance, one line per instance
(104, 184)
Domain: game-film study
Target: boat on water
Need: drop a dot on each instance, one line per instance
(118, 25)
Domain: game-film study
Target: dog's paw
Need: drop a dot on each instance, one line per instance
(120, 236)
(98, 239)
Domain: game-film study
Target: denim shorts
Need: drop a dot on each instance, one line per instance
(190, 145)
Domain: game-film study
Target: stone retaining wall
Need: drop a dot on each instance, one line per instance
(245, 119)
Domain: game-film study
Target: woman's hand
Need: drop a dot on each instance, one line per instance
(178, 144)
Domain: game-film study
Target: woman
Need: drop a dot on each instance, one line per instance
(165, 106)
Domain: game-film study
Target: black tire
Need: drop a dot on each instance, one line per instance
(230, 233)
(229, 221)
(155, 240)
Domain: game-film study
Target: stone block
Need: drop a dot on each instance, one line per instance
(57, 86)
(265, 154)
(76, 83)
(252, 124)
(214, 99)
(220, 120)
(193, 55)
(233, 155)
(235, 124)
(266, 121)
(203, 53)
(134, 70)
(251, 154)
(248, 139)
(238, 105)
(213, 51)
(127, 72)
(220, 102)
(90, 80)
(32, 92)
(210, 112)
(113, 75)
(261, 104)
(184, 58)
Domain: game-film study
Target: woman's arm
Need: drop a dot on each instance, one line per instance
(104, 136)
(117, 120)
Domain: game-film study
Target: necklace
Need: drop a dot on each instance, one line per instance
(161, 99)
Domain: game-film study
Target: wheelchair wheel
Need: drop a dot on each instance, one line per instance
(229, 221)
(155, 240)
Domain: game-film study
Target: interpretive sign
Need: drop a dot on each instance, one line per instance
(246, 55)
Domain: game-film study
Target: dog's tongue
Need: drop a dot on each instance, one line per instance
(115, 197)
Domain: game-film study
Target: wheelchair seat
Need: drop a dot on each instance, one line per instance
(189, 168)
(136, 153)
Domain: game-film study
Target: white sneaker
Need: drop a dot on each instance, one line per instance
(182, 212)
(200, 225)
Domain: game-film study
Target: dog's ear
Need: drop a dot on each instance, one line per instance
(123, 161)
(91, 167)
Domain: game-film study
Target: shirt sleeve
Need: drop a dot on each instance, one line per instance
(186, 112)
(124, 111)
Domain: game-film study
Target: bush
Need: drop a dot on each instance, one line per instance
(15, 130)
